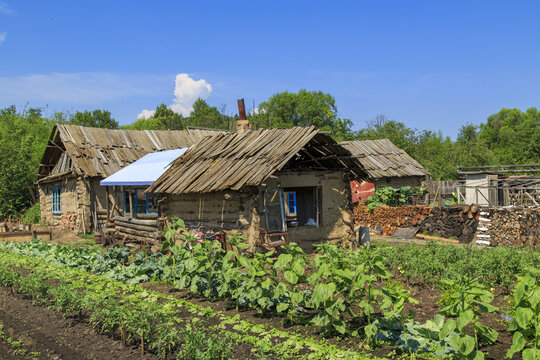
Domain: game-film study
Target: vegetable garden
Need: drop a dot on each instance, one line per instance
(201, 302)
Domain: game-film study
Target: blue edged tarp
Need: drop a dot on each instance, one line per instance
(144, 171)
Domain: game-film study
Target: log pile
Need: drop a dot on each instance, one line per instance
(517, 227)
(391, 218)
(136, 232)
(458, 222)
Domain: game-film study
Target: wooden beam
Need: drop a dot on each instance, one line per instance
(130, 203)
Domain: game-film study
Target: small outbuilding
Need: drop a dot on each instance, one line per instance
(385, 164)
(293, 182)
(77, 158)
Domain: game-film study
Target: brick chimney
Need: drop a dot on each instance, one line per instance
(242, 125)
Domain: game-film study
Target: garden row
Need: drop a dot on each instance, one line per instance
(156, 322)
(341, 292)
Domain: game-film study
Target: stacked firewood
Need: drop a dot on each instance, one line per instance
(458, 222)
(517, 227)
(132, 231)
(389, 219)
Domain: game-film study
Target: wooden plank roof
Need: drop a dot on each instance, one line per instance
(102, 152)
(382, 159)
(232, 161)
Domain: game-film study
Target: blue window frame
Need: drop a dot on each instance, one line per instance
(291, 203)
(144, 204)
(56, 200)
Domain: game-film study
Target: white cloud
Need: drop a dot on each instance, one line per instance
(186, 91)
(5, 9)
(3, 36)
(145, 114)
(88, 88)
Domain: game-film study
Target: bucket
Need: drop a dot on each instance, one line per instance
(363, 236)
(98, 238)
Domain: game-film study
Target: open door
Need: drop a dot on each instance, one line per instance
(274, 210)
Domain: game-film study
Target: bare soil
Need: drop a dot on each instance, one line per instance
(53, 337)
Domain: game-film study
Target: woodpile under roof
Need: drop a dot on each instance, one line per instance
(232, 161)
(102, 152)
(382, 159)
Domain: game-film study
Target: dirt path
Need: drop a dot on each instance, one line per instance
(46, 335)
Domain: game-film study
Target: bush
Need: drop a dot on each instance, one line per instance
(32, 215)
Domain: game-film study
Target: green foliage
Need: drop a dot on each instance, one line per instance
(32, 215)
(94, 118)
(23, 136)
(526, 316)
(387, 195)
(204, 115)
(305, 108)
(145, 124)
(201, 346)
(466, 300)
(513, 136)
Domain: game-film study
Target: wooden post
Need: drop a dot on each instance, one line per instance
(108, 215)
(130, 203)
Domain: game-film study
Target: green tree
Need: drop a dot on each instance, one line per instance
(23, 136)
(513, 136)
(169, 119)
(470, 149)
(305, 108)
(95, 118)
(145, 124)
(383, 128)
(204, 115)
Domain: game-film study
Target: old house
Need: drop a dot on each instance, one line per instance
(291, 182)
(77, 158)
(385, 164)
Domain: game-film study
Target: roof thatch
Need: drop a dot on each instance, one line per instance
(382, 159)
(101, 152)
(232, 161)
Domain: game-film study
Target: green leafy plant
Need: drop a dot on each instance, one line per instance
(387, 195)
(465, 300)
(526, 319)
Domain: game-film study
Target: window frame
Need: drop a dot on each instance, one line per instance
(136, 199)
(56, 195)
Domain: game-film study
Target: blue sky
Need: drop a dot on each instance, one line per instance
(430, 64)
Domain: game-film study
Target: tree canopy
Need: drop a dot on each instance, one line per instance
(510, 136)
(95, 118)
(23, 136)
(305, 108)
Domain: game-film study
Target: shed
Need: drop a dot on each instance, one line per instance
(386, 164)
(293, 181)
(77, 158)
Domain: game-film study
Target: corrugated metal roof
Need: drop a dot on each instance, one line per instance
(382, 159)
(144, 171)
(231, 161)
(102, 152)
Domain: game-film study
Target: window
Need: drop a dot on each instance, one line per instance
(56, 203)
(291, 203)
(303, 206)
(143, 204)
(274, 211)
